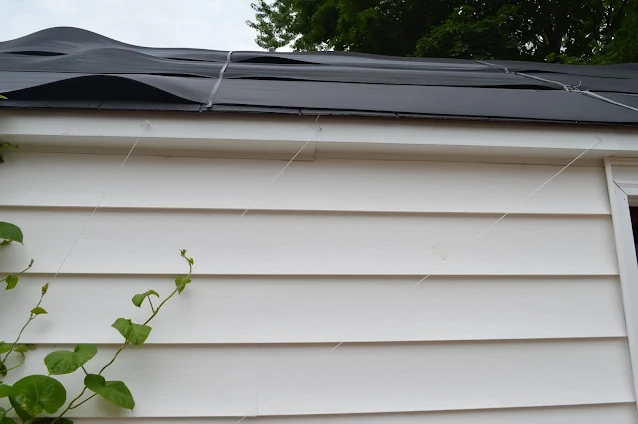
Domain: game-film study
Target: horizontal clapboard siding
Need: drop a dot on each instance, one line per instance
(522, 324)
(363, 378)
(139, 242)
(323, 185)
(327, 309)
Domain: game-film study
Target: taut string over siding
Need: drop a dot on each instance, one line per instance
(145, 126)
(471, 242)
(313, 138)
(525, 199)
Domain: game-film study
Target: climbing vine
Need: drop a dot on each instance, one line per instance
(35, 395)
(42, 398)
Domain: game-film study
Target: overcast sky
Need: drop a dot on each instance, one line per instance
(210, 24)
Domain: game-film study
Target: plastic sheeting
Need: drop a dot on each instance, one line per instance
(70, 66)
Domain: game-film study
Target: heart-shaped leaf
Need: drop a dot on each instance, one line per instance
(181, 282)
(12, 281)
(139, 298)
(4, 347)
(38, 311)
(133, 333)
(113, 391)
(4, 390)
(10, 232)
(37, 393)
(65, 362)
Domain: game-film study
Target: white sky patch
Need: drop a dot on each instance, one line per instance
(208, 24)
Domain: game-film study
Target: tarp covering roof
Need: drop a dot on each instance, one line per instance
(70, 67)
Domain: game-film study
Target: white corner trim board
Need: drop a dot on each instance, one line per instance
(625, 247)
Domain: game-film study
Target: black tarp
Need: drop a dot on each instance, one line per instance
(70, 67)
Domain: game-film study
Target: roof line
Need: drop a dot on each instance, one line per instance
(566, 87)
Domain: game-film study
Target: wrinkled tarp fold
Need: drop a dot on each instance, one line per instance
(70, 66)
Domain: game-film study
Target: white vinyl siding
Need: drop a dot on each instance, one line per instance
(523, 324)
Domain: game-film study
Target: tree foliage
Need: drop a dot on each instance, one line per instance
(568, 31)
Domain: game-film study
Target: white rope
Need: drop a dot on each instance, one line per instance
(566, 87)
(108, 188)
(312, 139)
(502, 217)
(605, 99)
(493, 65)
(479, 235)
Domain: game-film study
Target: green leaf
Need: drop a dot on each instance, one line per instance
(45, 287)
(3, 417)
(10, 232)
(37, 393)
(4, 390)
(4, 347)
(2, 97)
(181, 282)
(5, 145)
(113, 391)
(12, 281)
(24, 415)
(66, 362)
(3, 370)
(38, 311)
(138, 299)
(134, 333)
(24, 348)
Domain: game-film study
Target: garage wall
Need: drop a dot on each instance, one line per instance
(521, 323)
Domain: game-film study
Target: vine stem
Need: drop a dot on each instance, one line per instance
(17, 366)
(21, 272)
(151, 303)
(31, 318)
(70, 405)
(126, 343)
(84, 401)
